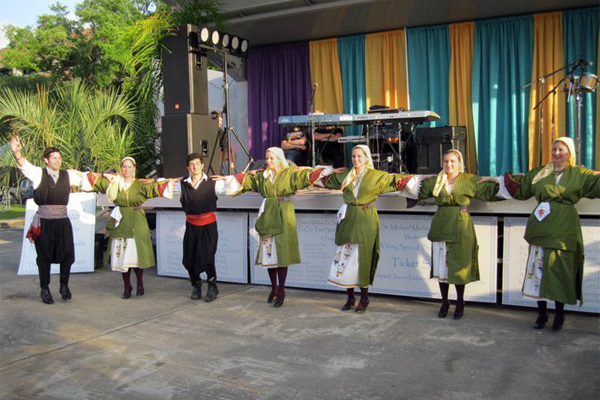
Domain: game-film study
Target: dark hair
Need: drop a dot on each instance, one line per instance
(194, 156)
(50, 150)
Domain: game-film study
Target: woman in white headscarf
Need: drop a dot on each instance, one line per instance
(129, 236)
(357, 231)
(555, 263)
(454, 248)
(276, 223)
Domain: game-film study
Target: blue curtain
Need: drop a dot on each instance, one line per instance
(502, 63)
(351, 53)
(580, 33)
(429, 70)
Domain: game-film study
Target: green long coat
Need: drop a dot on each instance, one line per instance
(134, 223)
(279, 218)
(455, 227)
(559, 234)
(361, 223)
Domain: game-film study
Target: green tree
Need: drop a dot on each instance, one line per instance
(91, 127)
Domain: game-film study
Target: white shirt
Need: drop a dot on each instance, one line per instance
(227, 187)
(34, 174)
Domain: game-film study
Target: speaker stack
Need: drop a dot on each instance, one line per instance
(186, 126)
(426, 150)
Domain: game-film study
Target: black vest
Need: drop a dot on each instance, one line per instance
(50, 193)
(200, 200)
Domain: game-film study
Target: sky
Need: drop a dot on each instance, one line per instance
(24, 12)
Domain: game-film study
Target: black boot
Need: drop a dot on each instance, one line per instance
(126, 284)
(46, 296)
(542, 317)
(350, 302)
(444, 309)
(197, 292)
(65, 292)
(364, 300)
(213, 290)
(559, 316)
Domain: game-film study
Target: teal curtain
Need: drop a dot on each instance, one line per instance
(502, 63)
(428, 70)
(580, 34)
(351, 53)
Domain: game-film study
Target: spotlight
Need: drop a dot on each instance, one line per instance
(204, 35)
(235, 43)
(214, 39)
(244, 46)
(225, 39)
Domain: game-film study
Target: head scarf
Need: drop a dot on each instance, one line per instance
(369, 164)
(118, 182)
(443, 176)
(549, 168)
(279, 154)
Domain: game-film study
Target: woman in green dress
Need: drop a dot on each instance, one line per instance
(276, 223)
(555, 264)
(357, 231)
(129, 236)
(454, 248)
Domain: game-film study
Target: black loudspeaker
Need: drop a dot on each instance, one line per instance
(425, 151)
(184, 73)
(188, 133)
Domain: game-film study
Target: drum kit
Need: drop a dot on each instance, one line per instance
(575, 87)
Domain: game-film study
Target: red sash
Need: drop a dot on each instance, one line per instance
(202, 219)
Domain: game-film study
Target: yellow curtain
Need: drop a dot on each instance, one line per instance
(325, 71)
(548, 56)
(462, 39)
(385, 69)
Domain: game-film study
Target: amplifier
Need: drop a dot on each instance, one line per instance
(425, 151)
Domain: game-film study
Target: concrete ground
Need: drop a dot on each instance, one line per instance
(165, 346)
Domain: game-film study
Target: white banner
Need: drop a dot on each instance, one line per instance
(516, 251)
(231, 259)
(405, 256)
(82, 213)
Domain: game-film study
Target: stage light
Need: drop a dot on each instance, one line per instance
(225, 39)
(235, 43)
(214, 38)
(244, 46)
(204, 35)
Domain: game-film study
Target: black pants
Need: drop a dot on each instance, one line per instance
(199, 249)
(330, 151)
(55, 246)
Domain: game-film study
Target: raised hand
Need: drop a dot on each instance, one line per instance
(339, 170)
(15, 144)
(218, 177)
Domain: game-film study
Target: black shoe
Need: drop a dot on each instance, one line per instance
(197, 292)
(541, 320)
(46, 296)
(349, 304)
(127, 293)
(279, 300)
(65, 292)
(558, 322)
(459, 311)
(272, 296)
(139, 291)
(362, 306)
(444, 310)
(212, 293)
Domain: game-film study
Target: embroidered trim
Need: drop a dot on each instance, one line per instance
(401, 183)
(511, 185)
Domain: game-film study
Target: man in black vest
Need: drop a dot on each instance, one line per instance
(199, 201)
(51, 229)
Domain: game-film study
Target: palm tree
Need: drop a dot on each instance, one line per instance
(91, 127)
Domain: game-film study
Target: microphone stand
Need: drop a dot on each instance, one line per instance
(573, 65)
